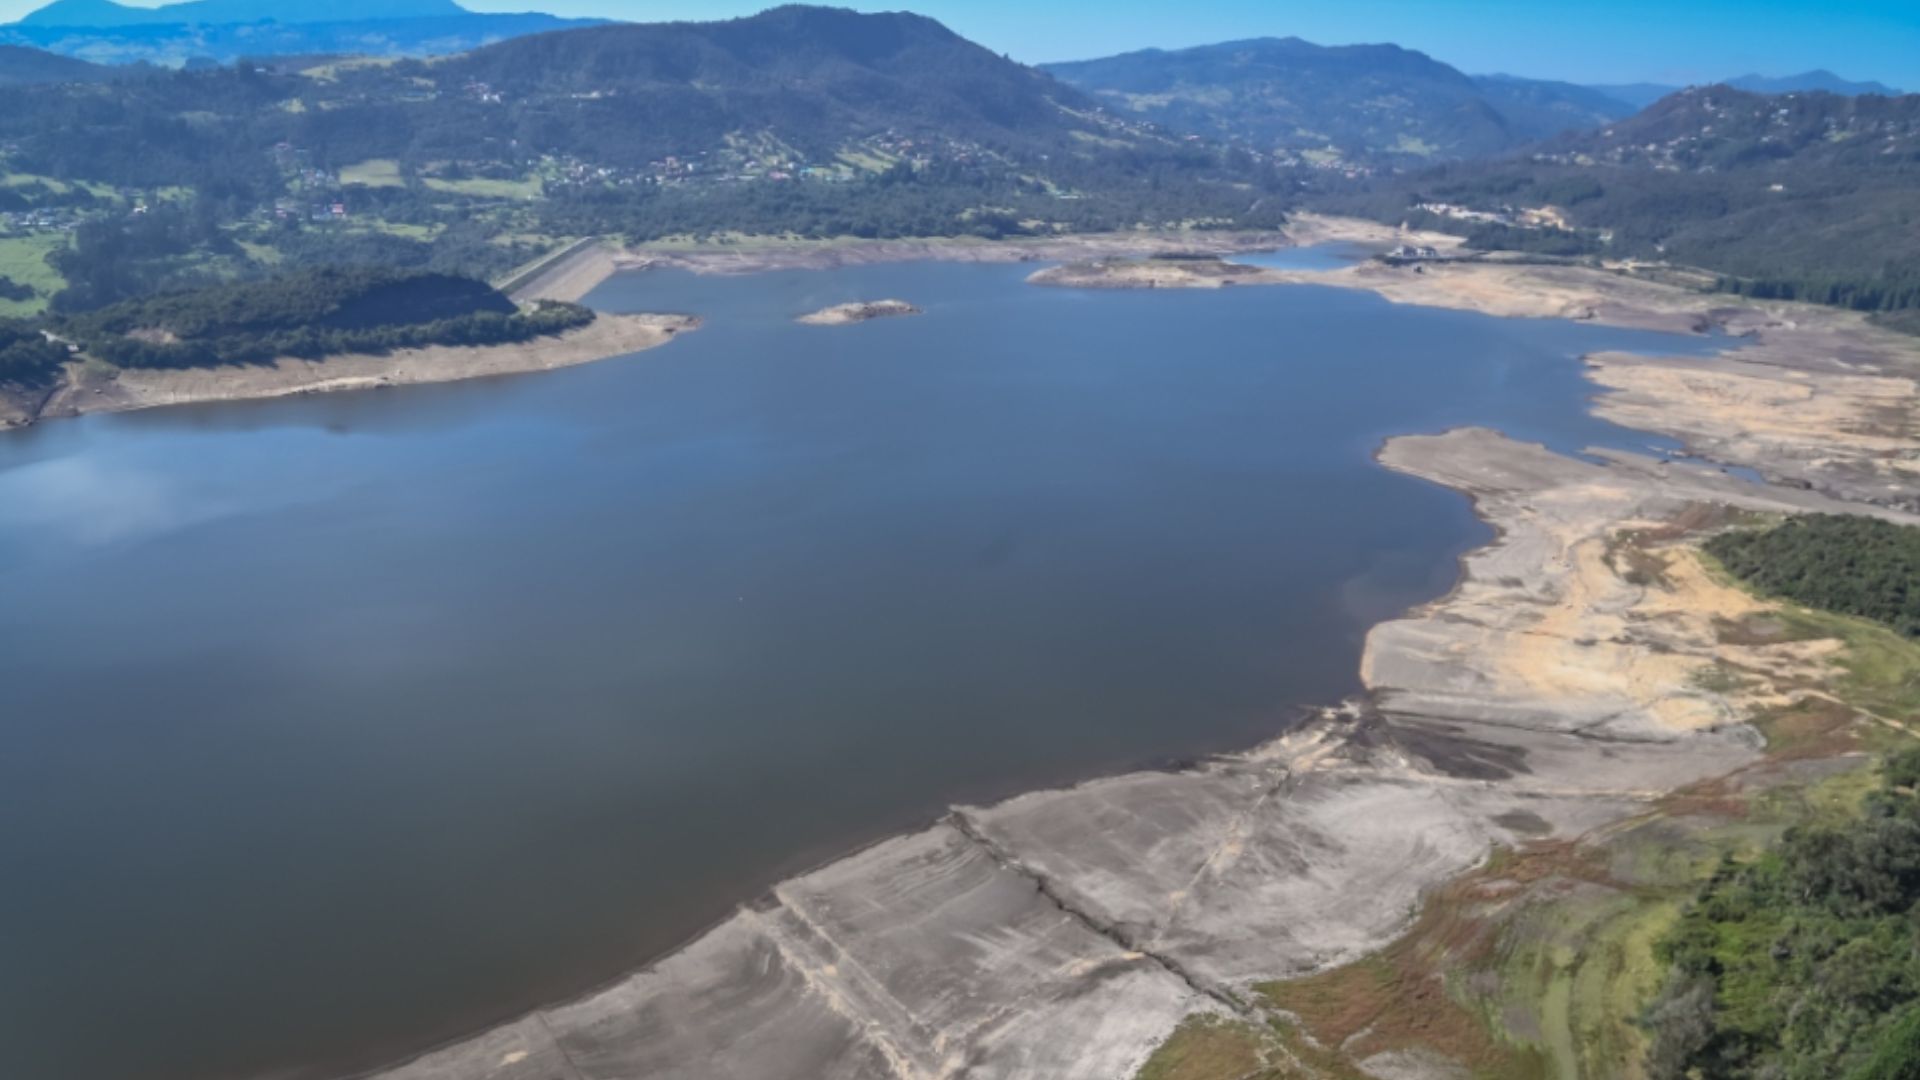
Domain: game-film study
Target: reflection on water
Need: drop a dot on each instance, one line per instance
(337, 726)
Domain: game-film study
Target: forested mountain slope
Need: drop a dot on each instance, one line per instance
(1809, 195)
(1352, 104)
(805, 121)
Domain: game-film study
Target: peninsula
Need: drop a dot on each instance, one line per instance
(314, 333)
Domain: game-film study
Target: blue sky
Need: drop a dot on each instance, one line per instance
(1677, 41)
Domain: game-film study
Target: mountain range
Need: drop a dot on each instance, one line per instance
(1337, 104)
(1641, 95)
(823, 122)
(222, 31)
(105, 14)
(792, 88)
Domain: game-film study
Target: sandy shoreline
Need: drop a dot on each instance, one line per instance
(1553, 692)
(86, 389)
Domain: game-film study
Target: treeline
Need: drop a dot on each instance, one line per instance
(1841, 563)
(311, 314)
(27, 358)
(1898, 289)
(1559, 242)
(1805, 963)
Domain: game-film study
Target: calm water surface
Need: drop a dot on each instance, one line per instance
(338, 726)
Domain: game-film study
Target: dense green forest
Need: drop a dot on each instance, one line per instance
(1805, 963)
(1847, 564)
(312, 313)
(27, 358)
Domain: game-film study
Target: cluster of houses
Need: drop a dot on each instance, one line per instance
(741, 164)
(47, 219)
(484, 93)
(304, 210)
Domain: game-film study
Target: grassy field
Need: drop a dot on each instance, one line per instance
(1882, 668)
(868, 161)
(58, 187)
(264, 254)
(379, 172)
(24, 259)
(403, 229)
(331, 72)
(489, 189)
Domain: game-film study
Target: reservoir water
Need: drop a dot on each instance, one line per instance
(338, 726)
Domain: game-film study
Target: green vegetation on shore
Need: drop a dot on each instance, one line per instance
(27, 357)
(1761, 927)
(1850, 565)
(1805, 962)
(311, 314)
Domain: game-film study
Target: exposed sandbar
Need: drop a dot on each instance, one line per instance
(862, 311)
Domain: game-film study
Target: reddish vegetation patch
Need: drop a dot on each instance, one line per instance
(1719, 797)
(1811, 728)
(1398, 999)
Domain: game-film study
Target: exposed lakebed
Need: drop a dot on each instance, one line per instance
(339, 726)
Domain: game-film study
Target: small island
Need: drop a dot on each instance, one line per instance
(1177, 271)
(859, 312)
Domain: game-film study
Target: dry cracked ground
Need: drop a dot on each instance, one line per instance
(1584, 670)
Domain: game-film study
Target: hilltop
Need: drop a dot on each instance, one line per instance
(810, 77)
(1818, 79)
(1641, 95)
